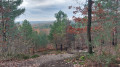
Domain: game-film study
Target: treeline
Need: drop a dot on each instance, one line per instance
(16, 38)
(62, 37)
(102, 30)
(27, 32)
(9, 35)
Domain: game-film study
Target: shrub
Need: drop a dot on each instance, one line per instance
(26, 57)
(82, 58)
(22, 56)
(102, 59)
(35, 56)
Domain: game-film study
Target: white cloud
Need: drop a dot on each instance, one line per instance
(40, 3)
(37, 10)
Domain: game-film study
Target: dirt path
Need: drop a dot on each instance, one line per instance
(37, 62)
(59, 63)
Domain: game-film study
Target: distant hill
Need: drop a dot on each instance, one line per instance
(38, 22)
(41, 22)
(41, 26)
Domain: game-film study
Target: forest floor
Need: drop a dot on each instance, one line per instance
(40, 61)
(58, 63)
(61, 59)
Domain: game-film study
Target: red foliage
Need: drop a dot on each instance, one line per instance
(75, 12)
(96, 10)
(77, 19)
(85, 11)
(99, 5)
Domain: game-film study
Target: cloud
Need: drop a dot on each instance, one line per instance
(42, 10)
(40, 3)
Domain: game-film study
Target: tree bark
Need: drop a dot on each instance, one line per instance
(89, 26)
(115, 32)
(113, 38)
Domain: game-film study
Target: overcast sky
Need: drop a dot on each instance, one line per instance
(44, 10)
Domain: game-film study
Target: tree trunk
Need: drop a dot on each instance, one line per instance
(102, 43)
(89, 26)
(66, 48)
(56, 47)
(61, 47)
(113, 39)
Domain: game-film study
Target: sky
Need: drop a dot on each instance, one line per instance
(44, 10)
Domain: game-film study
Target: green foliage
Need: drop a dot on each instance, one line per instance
(60, 16)
(11, 11)
(82, 58)
(26, 29)
(43, 39)
(14, 10)
(35, 56)
(74, 62)
(58, 29)
(103, 58)
(39, 40)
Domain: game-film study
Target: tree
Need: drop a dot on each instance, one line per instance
(8, 12)
(26, 29)
(89, 26)
(39, 40)
(60, 16)
(84, 20)
(111, 12)
(58, 29)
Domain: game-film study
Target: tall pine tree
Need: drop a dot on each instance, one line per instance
(8, 12)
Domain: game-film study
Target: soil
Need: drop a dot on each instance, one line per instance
(59, 63)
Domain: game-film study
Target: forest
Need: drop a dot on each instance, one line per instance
(90, 39)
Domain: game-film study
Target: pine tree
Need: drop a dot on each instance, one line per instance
(58, 29)
(8, 12)
(26, 29)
